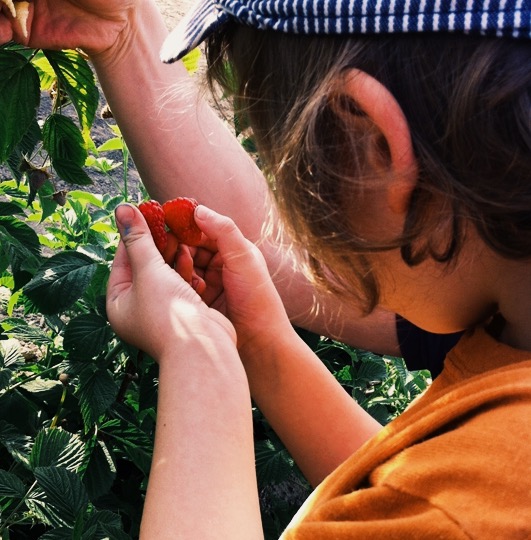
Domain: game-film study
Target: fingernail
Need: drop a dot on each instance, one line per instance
(124, 214)
(202, 212)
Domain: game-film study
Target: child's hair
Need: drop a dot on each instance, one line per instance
(467, 102)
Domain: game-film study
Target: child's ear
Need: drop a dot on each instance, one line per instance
(381, 107)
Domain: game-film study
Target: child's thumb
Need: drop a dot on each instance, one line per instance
(135, 235)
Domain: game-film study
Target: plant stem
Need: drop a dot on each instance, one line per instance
(21, 502)
(31, 377)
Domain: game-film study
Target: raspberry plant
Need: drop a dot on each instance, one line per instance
(77, 405)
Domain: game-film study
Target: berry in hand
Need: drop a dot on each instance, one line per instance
(154, 216)
(179, 217)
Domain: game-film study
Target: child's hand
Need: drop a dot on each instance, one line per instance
(149, 304)
(232, 276)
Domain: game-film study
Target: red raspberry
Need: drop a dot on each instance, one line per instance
(179, 217)
(154, 216)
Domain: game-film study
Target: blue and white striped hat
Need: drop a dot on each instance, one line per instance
(511, 18)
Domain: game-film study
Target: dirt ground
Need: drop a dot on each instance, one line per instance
(173, 10)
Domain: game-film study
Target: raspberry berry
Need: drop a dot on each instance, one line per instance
(154, 216)
(179, 217)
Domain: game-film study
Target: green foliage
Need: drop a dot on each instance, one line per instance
(78, 410)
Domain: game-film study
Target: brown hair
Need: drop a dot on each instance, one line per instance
(467, 102)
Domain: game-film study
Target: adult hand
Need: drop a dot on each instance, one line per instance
(92, 25)
(149, 304)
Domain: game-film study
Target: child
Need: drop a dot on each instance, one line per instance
(401, 170)
(401, 167)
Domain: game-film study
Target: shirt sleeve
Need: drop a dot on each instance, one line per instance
(379, 513)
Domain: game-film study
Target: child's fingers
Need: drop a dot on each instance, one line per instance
(184, 263)
(236, 251)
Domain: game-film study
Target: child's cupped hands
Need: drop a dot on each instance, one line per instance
(155, 301)
(149, 304)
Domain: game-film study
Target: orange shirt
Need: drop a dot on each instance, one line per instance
(456, 464)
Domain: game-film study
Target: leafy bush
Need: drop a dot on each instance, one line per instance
(77, 405)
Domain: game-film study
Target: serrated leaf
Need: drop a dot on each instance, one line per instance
(10, 353)
(64, 492)
(20, 329)
(101, 471)
(71, 172)
(5, 377)
(62, 139)
(19, 100)
(10, 209)
(16, 443)
(87, 335)
(24, 148)
(48, 205)
(19, 244)
(59, 533)
(273, 463)
(11, 485)
(46, 73)
(370, 371)
(60, 281)
(77, 80)
(58, 448)
(96, 391)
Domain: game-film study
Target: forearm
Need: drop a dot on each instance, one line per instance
(202, 482)
(178, 143)
(320, 424)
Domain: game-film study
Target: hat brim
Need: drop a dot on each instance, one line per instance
(201, 21)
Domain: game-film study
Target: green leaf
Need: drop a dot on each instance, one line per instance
(10, 353)
(60, 281)
(273, 463)
(65, 145)
(191, 60)
(17, 444)
(370, 371)
(24, 148)
(101, 471)
(10, 209)
(19, 99)
(44, 69)
(87, 335)
(48, 205)
(96, 391)
(59, 533)
(11, 485)
(19, 244)
(78, 81)
(5, 377)
(112, 145)
(71, 172)
(58, 448)
(64, 492)
(20, 329)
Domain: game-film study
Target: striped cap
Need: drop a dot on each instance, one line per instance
(510, 18)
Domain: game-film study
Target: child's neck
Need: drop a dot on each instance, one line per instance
(515, 306)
